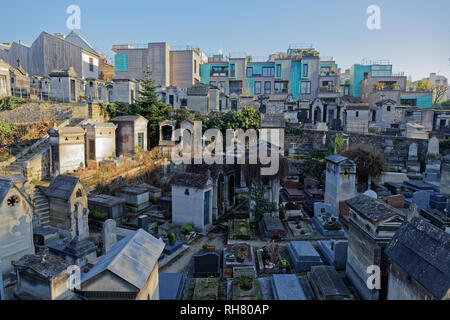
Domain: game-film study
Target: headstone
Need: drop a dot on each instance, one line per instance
(287, 287)
(143, 222)
(372, 194)
(303, 255)
(438, 202)
(422, 199)
(412, 154)
(109, 234)
(335, 252)
(206, 264)
(413, 212)
(433, 146)
(397, 201)
(321, 208)
(445, 175)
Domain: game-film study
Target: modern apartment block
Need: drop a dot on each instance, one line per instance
(179, 67)
(54, 52)
(374, 82)
(299, 72)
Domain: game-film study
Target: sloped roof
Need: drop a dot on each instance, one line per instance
(188, 179)
(373, 209)
(335, 158)
(5, 186)
(62, 187)
(423, 251)
(49, 268)
(132, 259)
(128, 118)
(75, 38)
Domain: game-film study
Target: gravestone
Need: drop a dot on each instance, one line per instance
(143, 222)
(303, 255)
(206, 264)
(412, 154)
(335, 252)
(445, 175)
(109, 234)
(438, 202)
(397, 201)
(287, 287)
(433, 146)
(422, 199)
(322, 208)
(372, 194)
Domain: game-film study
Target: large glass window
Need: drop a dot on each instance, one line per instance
(258, 87)
(281, 87)
(306, 71)
(249, 72)
(267, 87)
(306, 87)
(268, 71)
(278, 70)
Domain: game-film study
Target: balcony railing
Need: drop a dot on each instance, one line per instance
(329, 90)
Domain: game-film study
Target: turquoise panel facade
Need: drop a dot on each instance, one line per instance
(356, 76)
(121, 62)
(296, 79)
(250, 86)
(205, 73)
(423, 102)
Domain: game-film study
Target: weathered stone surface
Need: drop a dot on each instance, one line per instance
(397, 201)
(422, 199)
(109, 235)
(433, 146)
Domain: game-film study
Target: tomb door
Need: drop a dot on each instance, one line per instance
(206, 208)
(141, 140)
(92, 150)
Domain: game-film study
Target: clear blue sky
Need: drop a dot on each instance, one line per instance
(415, 34)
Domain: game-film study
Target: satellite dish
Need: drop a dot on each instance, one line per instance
(371, 194)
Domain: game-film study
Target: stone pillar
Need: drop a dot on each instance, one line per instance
(215, 209)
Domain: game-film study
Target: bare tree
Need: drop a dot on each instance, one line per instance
(439, 92)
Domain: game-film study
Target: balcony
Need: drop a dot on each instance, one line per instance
(329, 92)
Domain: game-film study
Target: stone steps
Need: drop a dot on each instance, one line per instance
(41, 207)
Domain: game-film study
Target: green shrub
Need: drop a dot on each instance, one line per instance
(10, 103)
(98, 215)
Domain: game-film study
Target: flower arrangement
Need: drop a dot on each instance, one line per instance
(246, 282)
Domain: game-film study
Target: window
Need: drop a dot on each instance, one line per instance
(195, 66)
(357, 114)
(232, 70)
(258, 87)
(79, 193)
(249, 72)
(281, 87)
(306, 87)
(268, 71)
(306, 70)
(267, 87)
(213, 83)
(222, 85)
(91, 64)
(409, 102)
(388, 108)
(278, 70)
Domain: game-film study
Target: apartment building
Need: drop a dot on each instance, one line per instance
(179, 67)
(51, 52)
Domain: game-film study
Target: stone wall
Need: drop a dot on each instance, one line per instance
(38, 167)
(34, 112)
(398, 146)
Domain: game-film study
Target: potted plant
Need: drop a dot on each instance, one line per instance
(172, 239)
(240, 257)
(208, 248)
(246, 282)
(284, 265)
